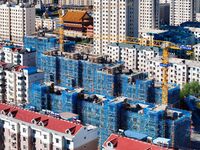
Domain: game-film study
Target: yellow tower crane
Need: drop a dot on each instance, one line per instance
(61, 31)
(165, 58)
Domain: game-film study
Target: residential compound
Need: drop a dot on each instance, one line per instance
(16, 21)
(25, 130)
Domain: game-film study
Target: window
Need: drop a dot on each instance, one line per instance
(57, 140)
(24, 139)
(13, 127)
(24, 129)
(45, 145)
(45, 136)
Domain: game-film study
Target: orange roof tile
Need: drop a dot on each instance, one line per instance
(74, 16)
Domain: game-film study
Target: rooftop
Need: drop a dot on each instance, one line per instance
(136, 46)
(190, 63)
(123, 143)
(74, 16)
(46, 121)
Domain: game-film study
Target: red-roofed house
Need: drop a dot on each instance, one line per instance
(25, 130)
(118, 142)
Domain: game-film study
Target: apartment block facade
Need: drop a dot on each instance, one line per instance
(25, 130)
(18, 55)
(181, 11)
(180, 72)
(114, 21)
(134, 56)
(149, 12)
(16, 21)
(15, 82)
(196, 52)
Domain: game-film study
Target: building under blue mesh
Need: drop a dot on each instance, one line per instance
(101, 112)
(63, 100)
(136, 86)
(112, 114)
(173, 94)
(38, 96)
(45, 43)
(57, 99)
(155, 122)
(41, 44)
(70, 71)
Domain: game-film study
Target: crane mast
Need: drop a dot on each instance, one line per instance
(61, 31)
(165, 64)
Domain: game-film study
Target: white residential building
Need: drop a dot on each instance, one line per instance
(114, 21)
(25, 130)
(135, 57)
(76, 2)
(16, 21)
(181, 11)
(18, 81)
(18, 55)
(148, 15)
(196, 52)
(180, 72)
(198, 17)
(48, 23)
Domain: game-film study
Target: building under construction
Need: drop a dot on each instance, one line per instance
(112, 114)
(98, 76)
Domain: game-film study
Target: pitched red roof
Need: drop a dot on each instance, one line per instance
(124, 143)
(51, 122)
(19, 68)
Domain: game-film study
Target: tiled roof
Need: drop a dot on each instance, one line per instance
(74, 16)
(124, 143)
(50, 122)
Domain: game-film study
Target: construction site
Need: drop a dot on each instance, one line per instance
(104, 94)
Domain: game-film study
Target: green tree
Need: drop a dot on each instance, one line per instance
(192, 88)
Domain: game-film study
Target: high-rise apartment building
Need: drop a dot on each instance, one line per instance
(114, 21)
(16, 21)
(181, 11)
(148, 15)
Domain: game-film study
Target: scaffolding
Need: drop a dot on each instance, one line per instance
(101, 112)
(112, 114)
(70, 72)
(41, 44)
(108, 80)
(49, 65)
(138, 117)
(173, 95)
(136, 86)
(38, 96)
(63, 101)
(89, 75)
